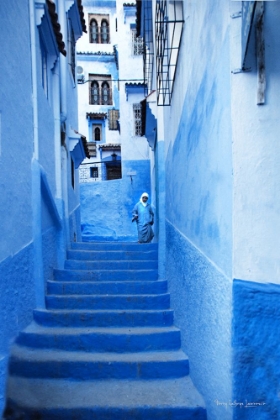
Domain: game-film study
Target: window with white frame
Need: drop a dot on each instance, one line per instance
(137, 43)
(137, 114)
(99, 29)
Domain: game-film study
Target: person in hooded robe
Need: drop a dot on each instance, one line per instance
(144, 216)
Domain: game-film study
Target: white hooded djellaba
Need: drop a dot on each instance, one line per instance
(144, 216)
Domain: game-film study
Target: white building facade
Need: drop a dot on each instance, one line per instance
(111, 89)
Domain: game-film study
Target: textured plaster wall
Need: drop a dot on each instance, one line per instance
(75, 225)
(256, 165)
(199, 160)
(106, 207)
(16, 130)
(201, 297)
(198, 171)
(256, 350)
(133, 147)
(256, 223)
(17, 301)
(17, 294)
(28, 226)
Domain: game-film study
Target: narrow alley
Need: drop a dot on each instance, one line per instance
(169, 107)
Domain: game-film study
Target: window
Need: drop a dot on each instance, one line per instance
(104, 32)
(72, 49)
(96, 132)
(99, 32)
(137, 43)
(95, 97)
(94, 172)
(93, 32)
(105, 89)
(137, 114)
(113, 116)
(100, 90)
(92, 148)
(113, 171)
(168, 26)
(44, 68)
(72, 174)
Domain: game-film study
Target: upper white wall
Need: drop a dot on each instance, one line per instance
(197, 129)
(256, 165)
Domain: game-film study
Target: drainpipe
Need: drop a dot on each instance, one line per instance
(38, 270)
(63, 118)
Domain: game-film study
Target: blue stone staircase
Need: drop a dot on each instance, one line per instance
(105, 348)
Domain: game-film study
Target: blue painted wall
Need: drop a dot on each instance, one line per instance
(16, 148)
(106, 206)
(17, 301)
(198, 170)
(201, 296)
(256, 350)
(30, 222)
(16, 128)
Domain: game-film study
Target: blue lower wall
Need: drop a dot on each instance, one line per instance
(201, 297)
(17, 293)
(256, 350)
(75, 225)
(106, 206)
(49, 243)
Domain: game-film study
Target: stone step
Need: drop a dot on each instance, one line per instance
(37, 363)
(104, 318)
(110, 265)
(119, 340)
(113, 246)
(164, 399)
(106, 275)
(108, 301)
(116, 255)
(106, 288)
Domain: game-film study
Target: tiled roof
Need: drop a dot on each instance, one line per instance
(56, 26)
(135, 84)
(85, 143)
(96, 115)
(110, 146)
(82, 18)
(95, 53)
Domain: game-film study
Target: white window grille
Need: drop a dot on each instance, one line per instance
(137, 43)
(83, 174)
(137, 113)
